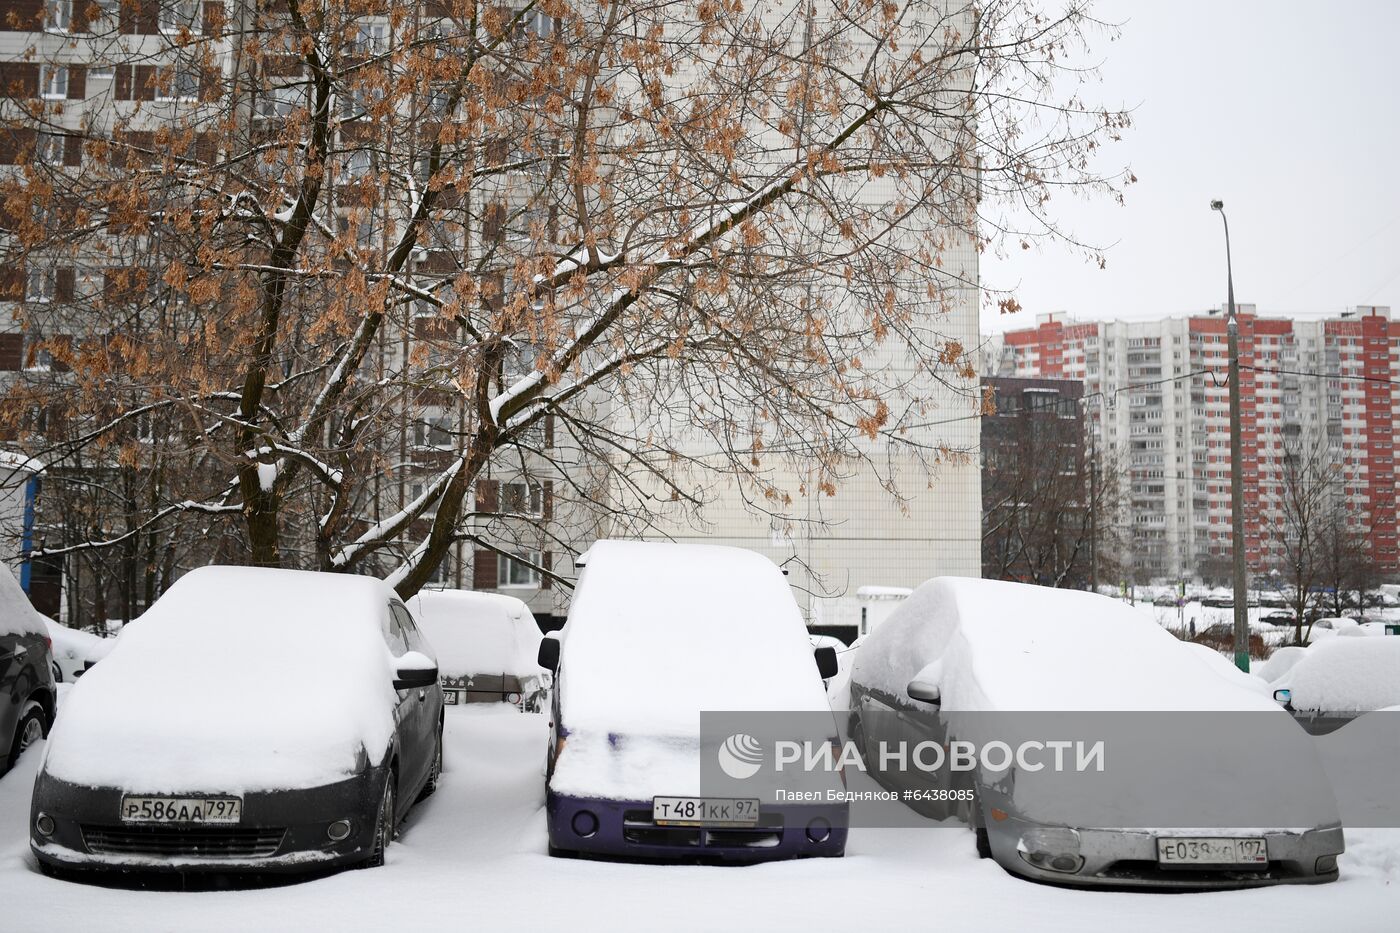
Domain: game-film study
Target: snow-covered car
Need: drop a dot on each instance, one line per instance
(487, 647)
(73, 650)
(968, 660)
(656, 634)
(27, 692)
(1335, 681)
(254, 720)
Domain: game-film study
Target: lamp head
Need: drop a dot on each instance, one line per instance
(1217, 205)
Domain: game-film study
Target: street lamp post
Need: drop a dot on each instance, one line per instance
(1232, 328)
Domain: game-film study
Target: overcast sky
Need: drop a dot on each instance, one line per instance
(1289, 112)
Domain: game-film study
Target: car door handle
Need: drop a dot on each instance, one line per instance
(422, 695)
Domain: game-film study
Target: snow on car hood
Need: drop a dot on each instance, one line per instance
(237, 679)
(479, 633)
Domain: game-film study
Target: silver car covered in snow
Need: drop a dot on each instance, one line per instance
(1101, 750)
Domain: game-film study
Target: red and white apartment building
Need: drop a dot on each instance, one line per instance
(1156, 398)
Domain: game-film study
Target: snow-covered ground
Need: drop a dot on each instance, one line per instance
(474, 854)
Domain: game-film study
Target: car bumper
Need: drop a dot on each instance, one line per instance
(624, 829)
(280, 831)
(1128, 858)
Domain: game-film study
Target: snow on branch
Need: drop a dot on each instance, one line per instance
(387, 528)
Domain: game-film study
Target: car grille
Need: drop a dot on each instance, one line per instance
(183, 842)
(637, 826)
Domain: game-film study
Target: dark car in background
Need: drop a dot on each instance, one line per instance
(27, 692)
(252, 720)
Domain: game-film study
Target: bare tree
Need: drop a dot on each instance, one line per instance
(575, 231)
(1296, 528)
(1347, 568)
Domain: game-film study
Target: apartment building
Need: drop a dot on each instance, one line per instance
(1157, 398)
(1038, 488)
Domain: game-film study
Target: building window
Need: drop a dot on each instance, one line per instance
(176, 15)
(433, 432)
(58, 15)
(39, 285)
(278, 102)
(522, 498)
(101, 71)
(180, 83)
(358, 164)
(48, 148)
(373, 38)
(518, 571)
(53, 82)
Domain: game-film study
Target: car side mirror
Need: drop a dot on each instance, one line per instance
(549, 654)
(826, 662)
(1284, 696)
(925, 691)
(414, 669)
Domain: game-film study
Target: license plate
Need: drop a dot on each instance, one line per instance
(182, 809)
(704, 811)
(1211, 850)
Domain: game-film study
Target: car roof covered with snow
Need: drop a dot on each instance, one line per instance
(658, 632)
(17, 614)
(1345, 675)
(236, 679)
(479, 633)
(1013, 646)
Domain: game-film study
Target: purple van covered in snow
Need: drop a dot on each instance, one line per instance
(658, 634)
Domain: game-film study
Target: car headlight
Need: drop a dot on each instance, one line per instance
(1053, 848)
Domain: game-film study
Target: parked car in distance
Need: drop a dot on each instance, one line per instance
(656, 635)
(72, 650)
(961, 653)
(1335, 681)
(487, 647)
(27, 692)
(253, 720)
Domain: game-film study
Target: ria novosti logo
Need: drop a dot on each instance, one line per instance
(740, 756)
